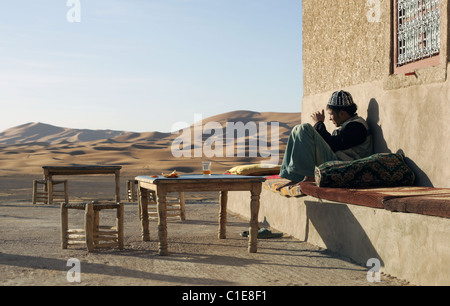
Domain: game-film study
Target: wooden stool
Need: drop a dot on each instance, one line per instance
(92, 235)
(42, 195)
(176, 206)
(131, 190)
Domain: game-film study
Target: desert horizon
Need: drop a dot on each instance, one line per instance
(24, 149)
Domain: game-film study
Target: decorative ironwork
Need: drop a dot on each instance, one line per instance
(418, 30)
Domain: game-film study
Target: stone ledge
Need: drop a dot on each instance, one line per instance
(409, 246)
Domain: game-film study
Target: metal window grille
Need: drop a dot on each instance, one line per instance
(418, 30)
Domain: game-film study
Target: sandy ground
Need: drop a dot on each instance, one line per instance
(30, 251)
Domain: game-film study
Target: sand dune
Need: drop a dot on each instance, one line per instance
(26, 148)
(41, 132)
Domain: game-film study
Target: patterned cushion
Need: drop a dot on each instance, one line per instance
(378, 170)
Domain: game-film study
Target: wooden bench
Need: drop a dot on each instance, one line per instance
(408, 199)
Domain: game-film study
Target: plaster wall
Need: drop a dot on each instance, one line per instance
(347, 45)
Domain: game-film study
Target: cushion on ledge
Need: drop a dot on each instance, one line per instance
(378, 170)
(288, 191)
(255, 169)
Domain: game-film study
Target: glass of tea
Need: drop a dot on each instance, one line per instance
(206, 167)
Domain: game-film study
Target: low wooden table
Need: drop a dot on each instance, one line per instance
(198, 183)
(50, 171)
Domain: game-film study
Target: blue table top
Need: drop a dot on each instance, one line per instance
(201, 177)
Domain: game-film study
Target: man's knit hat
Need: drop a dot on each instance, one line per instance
(341, 99)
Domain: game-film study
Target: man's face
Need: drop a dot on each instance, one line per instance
(336, 117)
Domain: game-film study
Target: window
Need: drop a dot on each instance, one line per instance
(416, 34)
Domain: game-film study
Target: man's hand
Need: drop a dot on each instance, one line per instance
(318, 116)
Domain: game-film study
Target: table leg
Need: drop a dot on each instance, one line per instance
(119, 225)
(223, 215)
(182, 206)
(117, 179)
(162, 220)
(64, 225)
(254, 211)
(143, 212)
(66, 191)
(89, 225)
(50, 189)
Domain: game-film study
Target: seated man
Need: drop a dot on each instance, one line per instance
(310, 146)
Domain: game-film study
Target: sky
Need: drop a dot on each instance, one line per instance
(146, 65)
